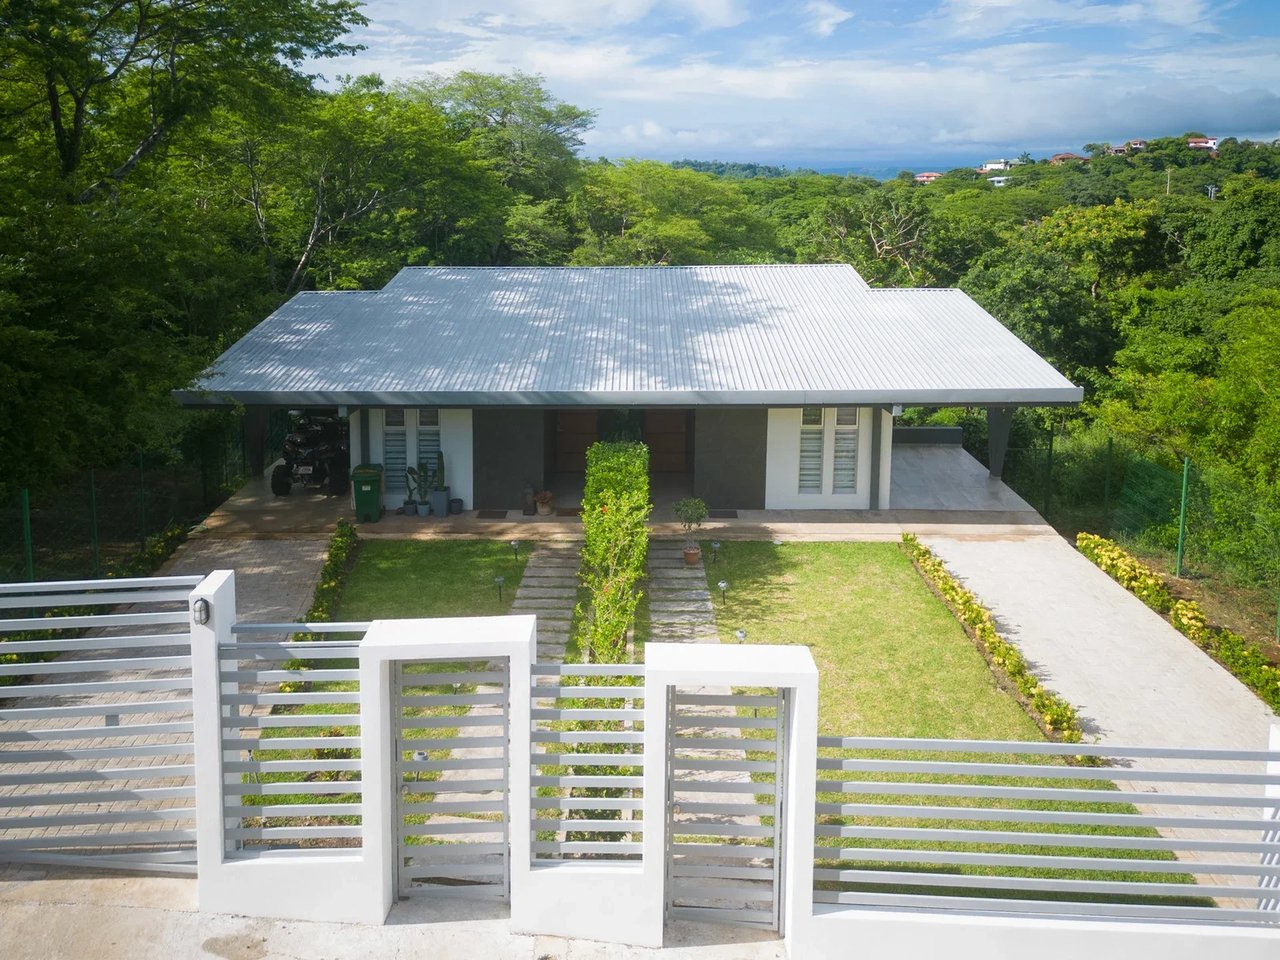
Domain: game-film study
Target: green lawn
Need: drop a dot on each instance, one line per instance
(395, 579)
(892, 660)
(431, 578)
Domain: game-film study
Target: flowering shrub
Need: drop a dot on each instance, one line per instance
(337, 561)
(1127, 570)
(1057, 716)
(1245, 661)
(615, 509)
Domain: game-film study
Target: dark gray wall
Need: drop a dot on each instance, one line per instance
(931, 435)
(508, 448)
(729, 457)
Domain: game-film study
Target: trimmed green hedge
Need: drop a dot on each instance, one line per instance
(1058, 718)
(337, 562)
(615, 510)
(1242, 659)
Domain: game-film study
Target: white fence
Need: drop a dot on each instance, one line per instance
(434, 757)
(1020, 828)
(95, 724)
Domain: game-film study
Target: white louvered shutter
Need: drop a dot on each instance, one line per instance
(811, 450)
(394, 451)
(844, 474)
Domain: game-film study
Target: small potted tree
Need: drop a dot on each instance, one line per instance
(439, 495)
(691, 512)
(412, 487)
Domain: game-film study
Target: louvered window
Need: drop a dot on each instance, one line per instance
(394, 451)
(811, 450)
(428, 438)
(844, 473)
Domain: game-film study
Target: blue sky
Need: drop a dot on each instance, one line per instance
(846, 82)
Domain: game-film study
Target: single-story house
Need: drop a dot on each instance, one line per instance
(927, 177)
(760, 386)
(1060, 158)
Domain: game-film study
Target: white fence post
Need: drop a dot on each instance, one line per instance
(1271, 858)
(212, 608)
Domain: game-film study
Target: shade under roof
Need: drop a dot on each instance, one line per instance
(777, 334)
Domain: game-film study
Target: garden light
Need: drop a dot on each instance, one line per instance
(740, 634)
(499, 581)
(715, 550)
(515, 549)
(724, 586)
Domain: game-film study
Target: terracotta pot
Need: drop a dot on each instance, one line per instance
(692, 555)
(544, 509)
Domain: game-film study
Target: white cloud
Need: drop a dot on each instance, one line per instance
(994, 18)
(825, 16)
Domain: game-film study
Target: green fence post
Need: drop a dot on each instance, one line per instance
(1106, 487)
(1182, 516)
(1048, 476)
(28, 552)
(93, 525)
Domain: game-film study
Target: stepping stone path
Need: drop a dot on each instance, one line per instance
(679, 603)
(549, 590)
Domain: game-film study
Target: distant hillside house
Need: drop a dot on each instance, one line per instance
(998, 181)
(1137, 144)
(1060, 158)
(1203, 143)
(769, 386)
(995, 166)
(926, 177)
(1119, 151)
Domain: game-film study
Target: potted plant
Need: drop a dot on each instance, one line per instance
(691, 511)
(542, 501)
(412, 486)
(439, 494)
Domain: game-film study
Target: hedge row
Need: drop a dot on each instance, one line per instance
(337, 561)
(1246, 662)
(1058, 718)
(615, 509)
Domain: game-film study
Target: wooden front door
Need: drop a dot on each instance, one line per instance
(575, 431)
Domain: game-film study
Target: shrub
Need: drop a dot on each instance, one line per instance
(1135, 576)
(615, 509)
(1058, 717)
(337, 562)
(1242, 659)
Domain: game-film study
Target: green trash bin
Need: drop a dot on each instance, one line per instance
(366, 485)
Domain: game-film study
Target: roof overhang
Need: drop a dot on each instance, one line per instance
(671, 398)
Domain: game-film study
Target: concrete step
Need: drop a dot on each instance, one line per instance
(529, 591)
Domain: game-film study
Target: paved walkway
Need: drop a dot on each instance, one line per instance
(1135, 680)
(549, 590)
(679, 603)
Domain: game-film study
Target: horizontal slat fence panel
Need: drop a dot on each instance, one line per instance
(96, 724)
(450, 721)
(290, 738)
(1046, 828)
(587, 761)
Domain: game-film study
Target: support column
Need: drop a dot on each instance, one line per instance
(999, 420)
(255, 439)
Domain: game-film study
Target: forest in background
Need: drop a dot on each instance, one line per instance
(169, 174)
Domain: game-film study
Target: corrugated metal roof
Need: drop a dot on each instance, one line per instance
(633, 336)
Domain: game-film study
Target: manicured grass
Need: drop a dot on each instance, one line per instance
(431, 578)
(892, 661)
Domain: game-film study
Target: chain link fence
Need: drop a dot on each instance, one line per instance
(96, 521)
(1207, 524)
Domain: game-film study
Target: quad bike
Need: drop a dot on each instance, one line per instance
(315, 455)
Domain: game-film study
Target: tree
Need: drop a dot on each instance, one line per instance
(111, 80)
(514, 124)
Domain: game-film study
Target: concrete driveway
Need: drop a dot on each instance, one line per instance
(1134, 678)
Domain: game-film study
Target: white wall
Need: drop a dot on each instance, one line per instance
(782, 464)
(455, 444)
(886, 458)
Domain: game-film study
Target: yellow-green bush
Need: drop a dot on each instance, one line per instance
(1127, 570)
(1053, 712)
(1245, 661)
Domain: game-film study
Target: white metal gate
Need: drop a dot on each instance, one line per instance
(95, 724)
(724, 800)
(451, 725)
